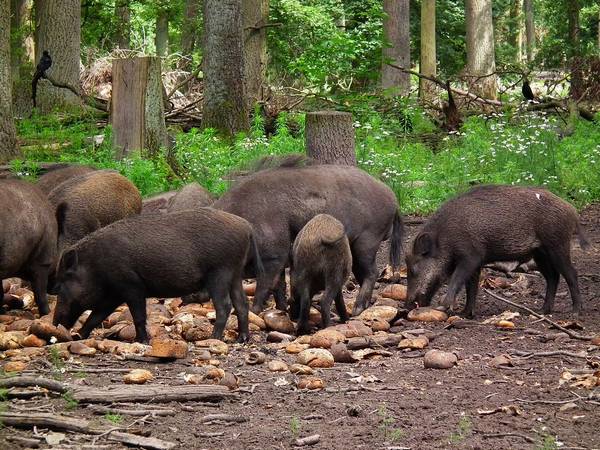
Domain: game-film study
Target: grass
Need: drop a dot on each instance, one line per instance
(114, 418)
(517, 149)
(295, 426)
(463, 430)
(70, 402)
(386, 425)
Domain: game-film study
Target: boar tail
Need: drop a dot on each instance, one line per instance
(584, 243)
(396, 242)
(258, 265)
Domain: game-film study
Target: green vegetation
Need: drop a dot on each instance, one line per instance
(463, 430)
(547, 442)
(386, 423)
(70, 401)
(295, 426)
(114, 418)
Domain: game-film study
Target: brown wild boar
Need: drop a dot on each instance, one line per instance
(92, 201)
(321, 260)
(54, 177)
(27, 236)
(191, 196)
(157, 203)
(162, 255)
(280, 200)
(488, 224)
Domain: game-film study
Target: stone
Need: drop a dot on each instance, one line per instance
(385, 313)
(310, 383)
(79, 348)
(326, 338)
(215, 346)
(277, 320)
(437, 359)
(168, 348)
(427, 314)
(395, 292)
(277, 365)
(315, 357)
(137, 376)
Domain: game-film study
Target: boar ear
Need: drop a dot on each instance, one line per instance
(423, 244)
(61, 213)
(69, 260)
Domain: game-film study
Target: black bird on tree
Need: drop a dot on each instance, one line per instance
(40, 72)
(450, 110)
(527, 92)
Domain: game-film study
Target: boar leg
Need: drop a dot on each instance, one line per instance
(264, 283)
(39, 284)
(240, 304)
(326, 301)
(304, 299)
(94, 319)
(279, 292)
(472, 287)
(365, 271)
(340, 307)
(551, 276)
(561, 260)
(137, 307)
(218, 288)
(462, 273)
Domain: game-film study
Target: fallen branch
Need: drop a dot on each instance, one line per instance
(501, 435)
(184, 82)
(152, 393)
(540, 316)
(308, 440)
(99, 409)
(528, 355)
(58, 422)
(94, 102)
(45, 383)
(213, 418)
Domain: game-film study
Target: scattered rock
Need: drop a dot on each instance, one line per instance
(19, 325)
(506, 324)
(368, 353)
(501, 360)
(277, 320)
(596, 341)
(229, 380)
(437, 359)
(353, 329)
(276, 336)
(295, 347)
(33, 341)
(254, 358)
(47, 331)
(326, 338)
(79, 348)
(315, 357)
(341, 354)
(385, 313)
(301, 369)
(310, 383)
(127, 333)
(11, 339)
(168, 348)
(380, 325)
(200, 330)
(137, 376)
(214, 373)
(277, 365)
(395, 291)
(15, 366)
(256, 320)
(215, 346)
(427, 314)
(417, 343)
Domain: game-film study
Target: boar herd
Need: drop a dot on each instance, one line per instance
(86, 236)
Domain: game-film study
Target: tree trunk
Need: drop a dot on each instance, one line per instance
(123, 20)
(19, 16)
(137, 113)
(8, 135)
(574, 50)
(330, 137)
(255, 15)
(225, 105)
(161, 39)
(529, 29)
(58, 30)
(396, 31)
(428, 52)
(189, 32)
(516, 29)
(481, 61)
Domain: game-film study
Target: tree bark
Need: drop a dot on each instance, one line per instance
(481, 61)
(225, 106)
(8, 134)
(153, 393)
(529, 29)
(428, 50)
(396, 31)
(161, 39)
(137, 113)
(123, 20)
(330, 137)
(58, 30)
(189, 32)
(19, 16)
(516, 28)
(574, 50)
(255, 15)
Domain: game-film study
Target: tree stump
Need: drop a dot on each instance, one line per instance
(330, 137)
(136, 107)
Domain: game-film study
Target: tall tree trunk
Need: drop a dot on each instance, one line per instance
(189, 32)
(8, 135)
(529, 29)
(574, 50)
(428, 51)
(330, 137)
(255, 15)
(225, 104)
(481, 61)
(161, 39)
(58, 30)
(396, 31)
(123, 21)
(19, 16)
(516, 28)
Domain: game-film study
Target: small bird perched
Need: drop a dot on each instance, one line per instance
(40, 72)
(527, 92)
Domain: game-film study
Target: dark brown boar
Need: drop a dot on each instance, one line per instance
(279, 201)
(27, 236)
(488, 224)
(162, 255)
(54, 177)
(321, 260)
(157, 203)
(92, 201)
(191, 196)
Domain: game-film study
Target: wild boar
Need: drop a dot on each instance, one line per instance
(157, 203)
(91, 201)
(27, 236)
(321, 260)
(280, 200)
(191, 196)
(494, 223)
(56, 176)
(162, 255)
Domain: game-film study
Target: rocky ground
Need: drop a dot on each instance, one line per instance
(516, 382)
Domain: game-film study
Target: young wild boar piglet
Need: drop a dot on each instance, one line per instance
(191, 196)
(27, 236)
(321, 259)
(163, 255)
(488, 224)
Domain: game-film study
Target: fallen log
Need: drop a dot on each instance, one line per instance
(45, 383)
(99, 409)
(152, 393)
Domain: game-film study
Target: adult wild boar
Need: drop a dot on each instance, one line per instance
(163, 255)
(191, 196)
(321, 260)
(157, 203)
(279, 201)
(494, 223)
(58, 175)
(27, 236)
(92, 201)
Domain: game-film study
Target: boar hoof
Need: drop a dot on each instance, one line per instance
(357, 309)
(243, 338)
(256, 309)
(467, 314)
(76, 336)
(44, 310)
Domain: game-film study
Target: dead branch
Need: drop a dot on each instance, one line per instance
(187, 79)
(308, 440)
(212, 418)
(58, 422)
(45, 383)
(152, 393)
(501, 435)
(528, 355)
(94, 102)
(266, 25)
(540, 316)
(99, 409)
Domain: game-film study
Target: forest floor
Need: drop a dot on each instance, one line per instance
(386, 401)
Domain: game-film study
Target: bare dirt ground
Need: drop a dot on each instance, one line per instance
(384, 402)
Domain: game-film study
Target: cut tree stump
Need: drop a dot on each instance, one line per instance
(330, 137)
(136, 108)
